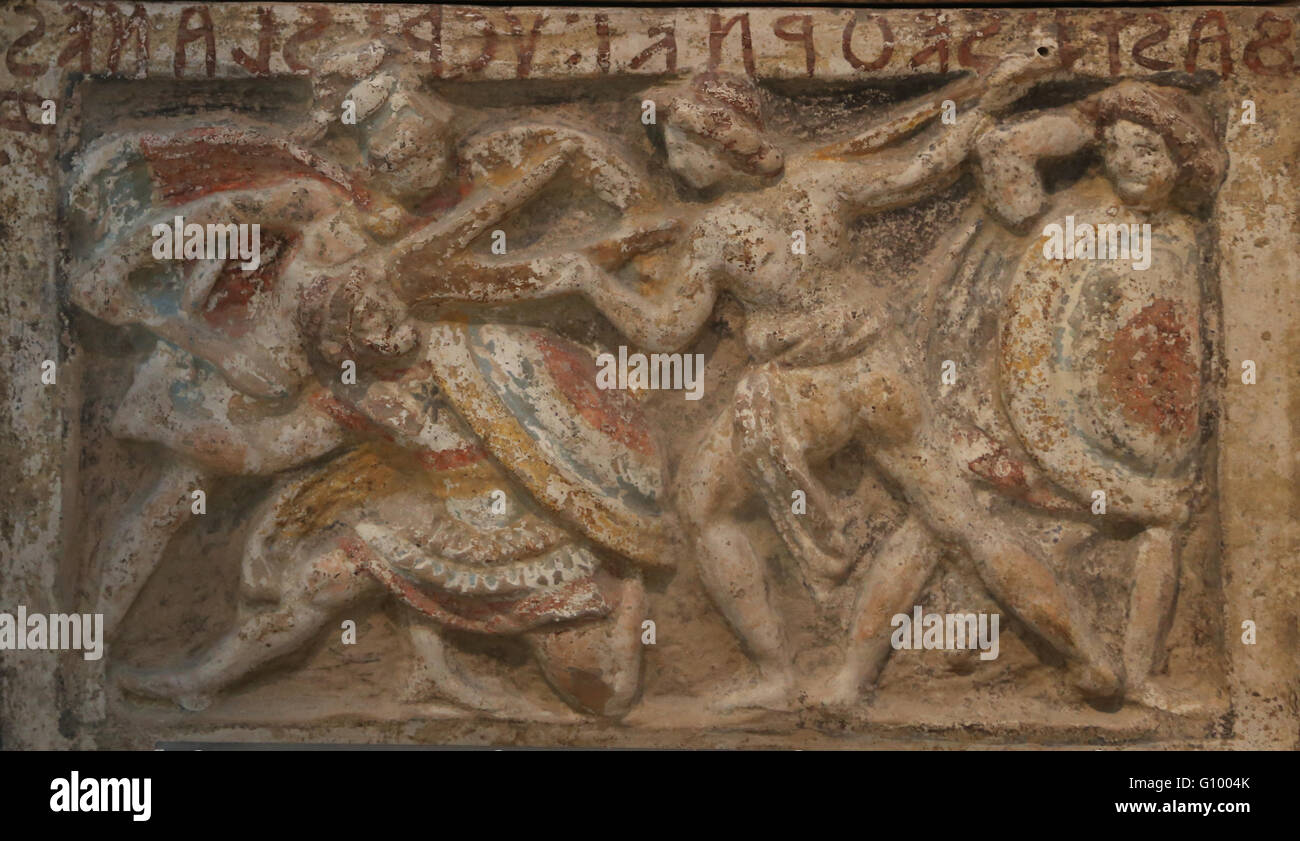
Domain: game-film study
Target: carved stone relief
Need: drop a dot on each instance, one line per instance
(650, 377)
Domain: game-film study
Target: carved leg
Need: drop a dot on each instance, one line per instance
(1150, 613)
(712, 486)
(317, 589)
(132, 553)
(436, 674)
(1014, 574)
(1022, 582)
(899, 570)
(258, 640)
(781, 416)
(128, 557)
(595, 665)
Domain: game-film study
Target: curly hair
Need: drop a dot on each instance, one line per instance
(1182, 122)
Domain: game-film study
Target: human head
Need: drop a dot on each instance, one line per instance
(1138, 162)
(402, 132)
(713, 130)
(1158, 144)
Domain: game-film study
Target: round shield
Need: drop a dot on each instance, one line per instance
(584, 452)
(1101, 357)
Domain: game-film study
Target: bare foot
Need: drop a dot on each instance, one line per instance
(842, 689)
(169, 684)
(1159, 695)
(1095, 680)
(773, 693)
(476, 694)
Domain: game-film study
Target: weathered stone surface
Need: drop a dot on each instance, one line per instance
(912, 374)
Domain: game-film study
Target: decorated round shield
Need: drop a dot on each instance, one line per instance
(584, 452)
(1100, 360)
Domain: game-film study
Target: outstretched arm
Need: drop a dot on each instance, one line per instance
(874, 171)
(1009, 156)
(901, 121)
(658, 302)
(904, 174)
(507, 168)
(661, 311)
(471, 277)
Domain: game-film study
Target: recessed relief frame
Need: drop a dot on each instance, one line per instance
(649, 377)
